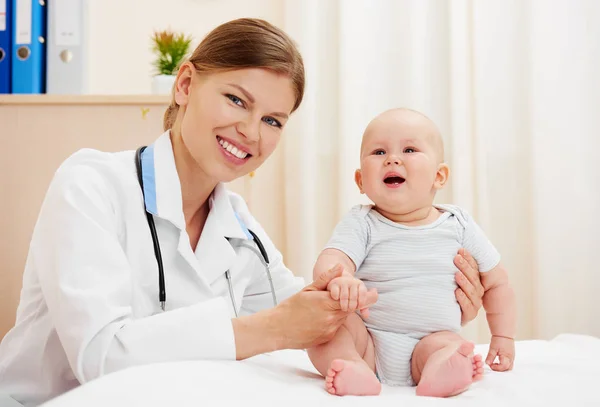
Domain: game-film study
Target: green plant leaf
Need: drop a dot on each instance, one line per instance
(170, 49)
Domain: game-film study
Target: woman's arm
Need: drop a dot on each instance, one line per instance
(469, 293)
(86, 281)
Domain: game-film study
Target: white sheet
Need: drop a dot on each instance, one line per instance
(562, 372)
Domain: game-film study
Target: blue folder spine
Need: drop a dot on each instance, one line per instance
(5, 44)
(29, 46)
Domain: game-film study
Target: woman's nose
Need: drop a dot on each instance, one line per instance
(250, 129)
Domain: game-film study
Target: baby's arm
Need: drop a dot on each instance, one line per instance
(347, 247)
(500, 307)
(331, 257)
(498, 298)
(499, 302)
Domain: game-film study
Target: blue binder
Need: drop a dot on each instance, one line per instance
(5, 44)
(29, 46)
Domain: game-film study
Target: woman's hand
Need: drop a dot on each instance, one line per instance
(469, 293)
(311, 317)
(304, 320)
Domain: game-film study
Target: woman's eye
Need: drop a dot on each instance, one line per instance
(409, 150)
(379, 152)
(272, 122)
(236, 100)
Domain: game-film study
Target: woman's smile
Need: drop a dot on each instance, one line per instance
(234, 152)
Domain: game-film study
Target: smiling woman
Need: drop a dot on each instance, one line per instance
(242, 108)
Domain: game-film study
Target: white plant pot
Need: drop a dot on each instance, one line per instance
(162, 84)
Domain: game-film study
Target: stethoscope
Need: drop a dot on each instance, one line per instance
(162, 293)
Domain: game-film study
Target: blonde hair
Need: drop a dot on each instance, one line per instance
(245, 43)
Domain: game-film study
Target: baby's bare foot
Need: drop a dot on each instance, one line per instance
(349, 377)
(450, 371)
(477, 368)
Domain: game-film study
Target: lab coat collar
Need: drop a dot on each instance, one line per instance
(222, 212)
(215, 254)
(162, 193)
(162, 189)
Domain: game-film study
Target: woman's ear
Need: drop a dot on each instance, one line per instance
(358, 180)
(441, 177)
(183, 83)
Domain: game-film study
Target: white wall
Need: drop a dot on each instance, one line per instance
(119, 31)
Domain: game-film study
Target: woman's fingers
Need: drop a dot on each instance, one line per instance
(469, 312)
(470, 292)
(334, 290)
(467, 256)
(462, 299)
(468, 266)
(468, 288)
(321, 283)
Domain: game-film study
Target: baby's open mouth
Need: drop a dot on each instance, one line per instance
(394, 180)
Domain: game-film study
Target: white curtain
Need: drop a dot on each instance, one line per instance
(515, 88)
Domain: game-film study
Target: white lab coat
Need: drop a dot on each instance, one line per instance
(90, 304)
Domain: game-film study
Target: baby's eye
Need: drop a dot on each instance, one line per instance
(235, 100)
(379, 152)
(409, 150)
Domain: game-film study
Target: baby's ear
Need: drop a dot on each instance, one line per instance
(441, 177)
(358, 180)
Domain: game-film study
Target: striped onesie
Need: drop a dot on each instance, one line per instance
(412, 268)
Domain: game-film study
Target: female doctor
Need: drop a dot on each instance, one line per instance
(92, 300)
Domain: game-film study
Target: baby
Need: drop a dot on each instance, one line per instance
(403, 246)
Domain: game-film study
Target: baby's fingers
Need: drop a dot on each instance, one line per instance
(505, 364)
(362, 296)
(491, 356)
(344, 296)
(353, 299)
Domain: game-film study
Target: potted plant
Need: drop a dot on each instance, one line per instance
(170, 49)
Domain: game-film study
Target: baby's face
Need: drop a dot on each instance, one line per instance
(401, 157)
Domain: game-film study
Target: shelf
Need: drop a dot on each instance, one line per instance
(84, 99)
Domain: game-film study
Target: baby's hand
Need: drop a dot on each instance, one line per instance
(351, 292)
(504, 348)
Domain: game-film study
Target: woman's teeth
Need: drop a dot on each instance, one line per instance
(233, 150)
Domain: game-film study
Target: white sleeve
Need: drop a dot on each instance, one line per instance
(351, 235)
(478, 245)
(85, 279)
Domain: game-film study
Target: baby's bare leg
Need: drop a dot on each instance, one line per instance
(348, 361)
(443, 365)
